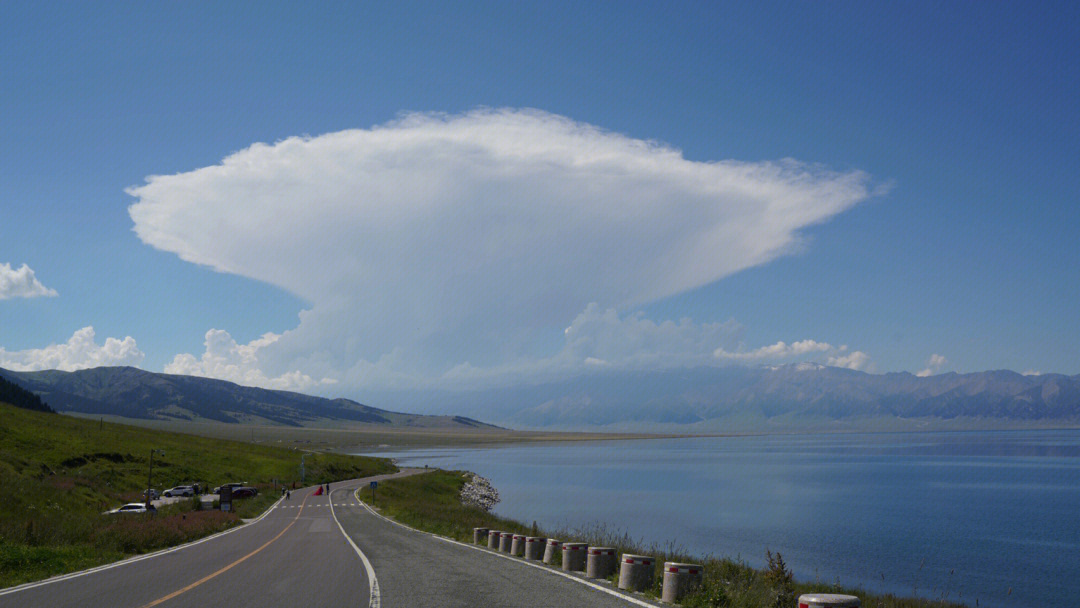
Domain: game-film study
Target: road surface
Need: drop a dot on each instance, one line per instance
(297, 554)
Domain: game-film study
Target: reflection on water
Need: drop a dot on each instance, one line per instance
(891, 512)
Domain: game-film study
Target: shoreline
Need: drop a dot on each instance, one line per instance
(802, 494)
(434, 505)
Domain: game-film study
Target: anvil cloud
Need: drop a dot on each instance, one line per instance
(437, 241)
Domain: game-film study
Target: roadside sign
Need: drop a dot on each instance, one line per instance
(374, 485)
(225, 498)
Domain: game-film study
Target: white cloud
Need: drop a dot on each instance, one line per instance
(79, 352)
(856, 359)
(1033, 372)
(837, 356)
(435, 243)
(933, 365)
(780, 350)
(226, 360)
(21, 283)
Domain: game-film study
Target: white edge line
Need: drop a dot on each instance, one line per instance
(545, 568)
(374, 600)
(137, 558)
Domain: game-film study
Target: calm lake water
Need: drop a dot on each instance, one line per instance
(972, 515)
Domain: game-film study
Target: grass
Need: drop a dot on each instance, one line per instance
(430, 501)
(351, 437)
(59, 473)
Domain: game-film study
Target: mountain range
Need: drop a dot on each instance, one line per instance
(792, 397)
(800, 396)
(134, 393)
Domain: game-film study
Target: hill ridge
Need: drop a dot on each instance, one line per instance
(136, 393)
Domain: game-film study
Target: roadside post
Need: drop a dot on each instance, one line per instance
(600, 562)
(225, 498)
(373, 485)
(479, 535)
(573, 556)
(534, 547)
(636, 572)
(552, 548)
(679, 580)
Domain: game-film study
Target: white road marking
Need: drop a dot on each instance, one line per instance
(374, 600)
(132, 560)
(545, 568)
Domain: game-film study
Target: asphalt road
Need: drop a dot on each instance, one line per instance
(297, 555)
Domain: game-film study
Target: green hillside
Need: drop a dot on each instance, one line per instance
(60, 473)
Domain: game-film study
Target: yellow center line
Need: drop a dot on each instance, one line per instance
(227, 568)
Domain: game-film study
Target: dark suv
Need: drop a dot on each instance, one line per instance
(244, 492)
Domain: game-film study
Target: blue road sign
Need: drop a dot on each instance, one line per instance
(374, 485)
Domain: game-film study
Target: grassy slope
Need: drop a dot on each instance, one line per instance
(59, 473)
(430, 502)
(359, 437)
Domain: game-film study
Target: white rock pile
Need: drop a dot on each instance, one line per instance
(479, 493)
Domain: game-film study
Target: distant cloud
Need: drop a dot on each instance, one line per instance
(224, 359)
(1032, 372)
(21, 283)
(436, 243)
(837, 356)
(933, 366)
(79, 352)
(780, 350)
(857, 360)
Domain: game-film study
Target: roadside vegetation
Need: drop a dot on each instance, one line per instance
(431, 502)
(59, 474)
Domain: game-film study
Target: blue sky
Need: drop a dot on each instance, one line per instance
(960, 122)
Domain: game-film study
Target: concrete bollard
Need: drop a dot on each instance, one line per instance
(506, 541)
(573, 556)
(828, 600)
(600, 562)
(680, 579)
(551, 549)
(493, 539)
(518, 546)
(534, 547)
(636, 572)
(479, 536)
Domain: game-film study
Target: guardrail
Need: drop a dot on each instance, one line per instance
(637, 573)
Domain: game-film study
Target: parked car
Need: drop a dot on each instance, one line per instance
(244, 492)
(232, 485)
(179, 491)
(152, 494)
(133, 507)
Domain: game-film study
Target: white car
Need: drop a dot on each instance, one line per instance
(179, 491)
(132, 507)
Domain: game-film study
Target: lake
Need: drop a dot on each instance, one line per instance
(993, 516)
